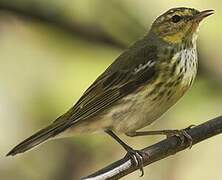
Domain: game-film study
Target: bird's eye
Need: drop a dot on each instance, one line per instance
(176, 18)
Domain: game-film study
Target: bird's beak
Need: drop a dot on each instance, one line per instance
(203, 14)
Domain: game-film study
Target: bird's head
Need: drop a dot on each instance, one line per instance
(179, 24)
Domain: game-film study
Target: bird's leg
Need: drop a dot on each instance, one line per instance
(182, 134)
(136, 155)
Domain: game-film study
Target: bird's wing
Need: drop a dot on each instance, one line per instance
(133, 68)
(107, 90)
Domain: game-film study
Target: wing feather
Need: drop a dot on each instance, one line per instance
(117, 81)
(107, 92)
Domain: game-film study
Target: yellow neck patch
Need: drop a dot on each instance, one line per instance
(174, 38)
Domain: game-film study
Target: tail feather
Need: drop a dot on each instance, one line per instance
(38, 138)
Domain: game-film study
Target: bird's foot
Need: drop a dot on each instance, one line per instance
(182, 134)
(137, 158)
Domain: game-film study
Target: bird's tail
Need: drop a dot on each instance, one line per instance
(39, 137)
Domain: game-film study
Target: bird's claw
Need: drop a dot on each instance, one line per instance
(137, 158)
(190, 127)
(182, 134)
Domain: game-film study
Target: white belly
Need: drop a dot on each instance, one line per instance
(140, 111)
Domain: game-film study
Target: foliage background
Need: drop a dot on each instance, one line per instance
(46, 64)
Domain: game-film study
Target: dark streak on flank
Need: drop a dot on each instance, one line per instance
(173, 69)
(155, 89)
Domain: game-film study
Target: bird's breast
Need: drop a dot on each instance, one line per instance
(141, 108)
(187, 66)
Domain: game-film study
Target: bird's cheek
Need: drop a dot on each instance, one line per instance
(174, 38)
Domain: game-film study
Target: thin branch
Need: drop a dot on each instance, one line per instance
(159, 151)
(55, 16)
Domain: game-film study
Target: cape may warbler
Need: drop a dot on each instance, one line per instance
(138, 87)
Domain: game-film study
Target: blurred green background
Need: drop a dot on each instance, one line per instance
(50, 52)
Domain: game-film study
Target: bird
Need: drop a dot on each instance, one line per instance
(143, 82)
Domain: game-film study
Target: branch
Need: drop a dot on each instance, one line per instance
(55, 16)
(159, 151)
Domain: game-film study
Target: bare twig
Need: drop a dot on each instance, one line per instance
(159, 151)
(55, 16)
